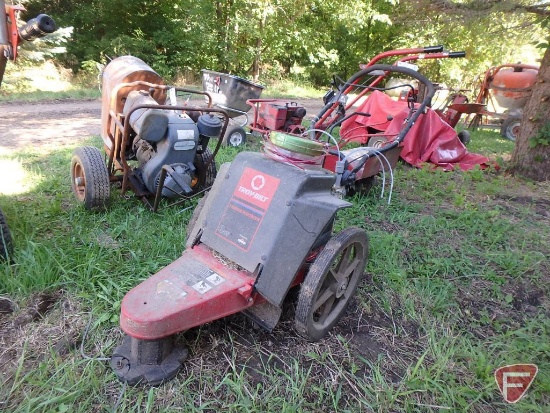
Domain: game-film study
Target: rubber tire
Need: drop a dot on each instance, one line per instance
(464, 137)
(234, 136)
(336, 249)
(6, 241)
(204, 177)
(510, 127)
(87, 164)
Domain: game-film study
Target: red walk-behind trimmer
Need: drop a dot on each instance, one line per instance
(265, 226)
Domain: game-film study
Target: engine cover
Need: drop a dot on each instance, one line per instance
(178, 146)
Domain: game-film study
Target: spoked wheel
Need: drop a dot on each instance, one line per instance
(6, 243)
(204, 176)
(235, 136)
(330, 283)
(90, 178)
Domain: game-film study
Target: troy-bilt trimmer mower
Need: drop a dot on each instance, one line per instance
(264, 227)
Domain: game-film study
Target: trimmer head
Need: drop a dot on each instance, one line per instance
(150, 362)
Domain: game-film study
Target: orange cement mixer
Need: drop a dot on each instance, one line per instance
(503, 94)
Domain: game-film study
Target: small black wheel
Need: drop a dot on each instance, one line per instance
(235, 136)
(330, 283)
(6, 242)
(90, 178)
(464, 137)
(510, 127)
(204, 176)
(361, 186)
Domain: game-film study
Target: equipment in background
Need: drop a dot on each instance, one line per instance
(155, 147)
(231, 93)
(11, 35)
(501, 98)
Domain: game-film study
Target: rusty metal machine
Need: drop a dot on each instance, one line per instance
(156, 146)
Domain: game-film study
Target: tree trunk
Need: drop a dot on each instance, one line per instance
(528, 161)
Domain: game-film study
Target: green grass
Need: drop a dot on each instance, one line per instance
(37, 96)
(458, 285)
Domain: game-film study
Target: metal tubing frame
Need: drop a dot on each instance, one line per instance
(119, 140)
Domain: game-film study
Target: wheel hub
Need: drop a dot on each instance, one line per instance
(342, 287)
(235, 139)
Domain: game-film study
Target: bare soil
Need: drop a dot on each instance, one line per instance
(48, 124)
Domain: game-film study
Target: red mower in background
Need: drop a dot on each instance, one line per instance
(360, 111)
(10, 36)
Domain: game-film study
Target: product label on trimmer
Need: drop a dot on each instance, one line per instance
(247, 208)
(195, 275)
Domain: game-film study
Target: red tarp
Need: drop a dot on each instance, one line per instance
(430, 140)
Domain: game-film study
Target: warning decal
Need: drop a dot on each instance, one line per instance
(199, 277)
(247, 207)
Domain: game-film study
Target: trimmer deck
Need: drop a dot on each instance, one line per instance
(193, 290)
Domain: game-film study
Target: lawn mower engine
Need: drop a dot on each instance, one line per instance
(167, 139)
(264, 227)
(280, 116)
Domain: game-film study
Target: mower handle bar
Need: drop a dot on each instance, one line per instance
(454, 55)
(433, 49)
(334, 102)
(403, 52)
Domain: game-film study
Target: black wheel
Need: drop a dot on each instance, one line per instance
(510, 127)
(362, 186)
(6, 242)
(234, 136)
(90, 178)
(330, 283)
(204, 176)
(464, 137)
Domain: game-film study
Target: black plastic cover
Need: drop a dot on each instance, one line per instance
(267, 213)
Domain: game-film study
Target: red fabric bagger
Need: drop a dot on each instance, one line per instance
(430, 141)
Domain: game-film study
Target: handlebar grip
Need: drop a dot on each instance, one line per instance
(40, 26)
(433, 49)
(454, 55)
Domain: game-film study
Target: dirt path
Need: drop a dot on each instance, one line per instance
(55, 124)
(48, 124)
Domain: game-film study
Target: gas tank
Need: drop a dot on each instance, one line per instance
(124, 70)
(512, 86)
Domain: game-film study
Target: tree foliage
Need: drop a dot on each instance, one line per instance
(307, 39)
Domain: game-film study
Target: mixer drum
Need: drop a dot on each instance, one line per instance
(512, 86)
